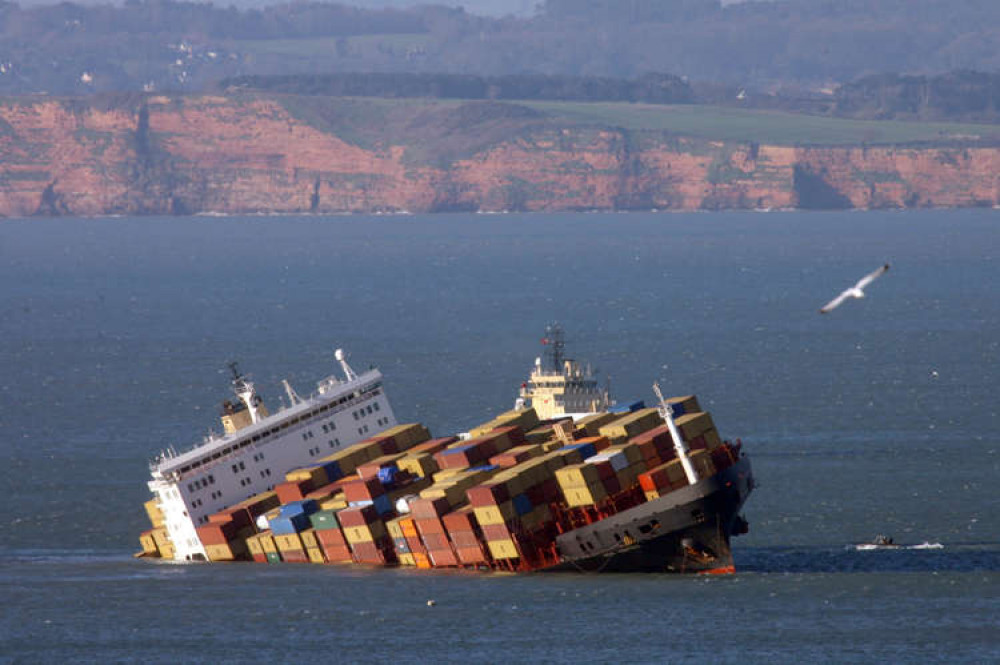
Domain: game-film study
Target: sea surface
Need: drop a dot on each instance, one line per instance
(881, 417)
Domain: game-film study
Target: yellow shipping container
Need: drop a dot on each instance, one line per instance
(712, 439)
(541, 437)
(702, 462)
(453, 491)
(592, 424)
(694, 424)
(585, 496)
(421, 464)
(309, 538)
(227, 552)
(154, 513)
(162, 539)
(549, 446)
(315, 555)
(688, 403)
(365, 534)
(267, 543)
(406, 559)
(254, 546)
(495, 514)
(408, 435)
(335, 502)
(632, 425)
(288, 542)
(148, 543)
(503, 549)
(577, 475)
(317, 475)
(394, 527)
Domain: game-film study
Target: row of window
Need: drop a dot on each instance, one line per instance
(201, 482)
(374, 390)
(363, 411)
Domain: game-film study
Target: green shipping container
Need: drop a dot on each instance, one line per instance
(324, 520)
(273, 557)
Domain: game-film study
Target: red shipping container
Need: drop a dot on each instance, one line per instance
(464, 538)
(429, 508)
(442, 558)
(260, 557)
(460, 520)
(337, 553)
(471, 555)
(359, 489)
(416, 545)
(358, 516)
(488, 494)
(514, 434)
(429, 525)
(333, 537)
(238, 515)
(217, 534)
(499, 531)
(433, 445)
(295, 556)
(374, 553)
(436, 541)
(293, 491)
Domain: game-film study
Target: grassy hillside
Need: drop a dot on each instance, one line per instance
(471, 125)
(770, 127)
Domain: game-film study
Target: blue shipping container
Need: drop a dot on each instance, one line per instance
(304, 507)
(282, 526)
(522, 504)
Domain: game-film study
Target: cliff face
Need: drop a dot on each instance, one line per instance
(163, 155)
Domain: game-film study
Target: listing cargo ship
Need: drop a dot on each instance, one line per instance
(568, 480)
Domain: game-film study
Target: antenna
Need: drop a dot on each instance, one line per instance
(342, 359)
(556, 343)
(667, 412)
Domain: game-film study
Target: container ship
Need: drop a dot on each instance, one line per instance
(567, 480)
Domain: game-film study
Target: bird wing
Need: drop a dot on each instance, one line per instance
(835, 302)
(871, 277)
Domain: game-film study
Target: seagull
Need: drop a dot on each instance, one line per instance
(856, 291)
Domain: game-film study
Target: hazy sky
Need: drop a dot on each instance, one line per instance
(488, 7)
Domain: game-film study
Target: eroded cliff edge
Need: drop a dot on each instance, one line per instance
(250, 154)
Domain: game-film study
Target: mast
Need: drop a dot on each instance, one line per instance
(555, 344)
(244, 389)
(667, 412)
(342, 359)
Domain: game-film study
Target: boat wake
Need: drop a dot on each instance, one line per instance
(869, 547)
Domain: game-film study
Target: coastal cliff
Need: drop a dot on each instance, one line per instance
(249, 154)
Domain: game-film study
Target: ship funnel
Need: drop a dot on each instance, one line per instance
(342, 359)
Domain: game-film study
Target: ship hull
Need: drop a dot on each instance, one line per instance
(686, 531)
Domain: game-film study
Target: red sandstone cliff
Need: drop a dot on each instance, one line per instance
(234, 154)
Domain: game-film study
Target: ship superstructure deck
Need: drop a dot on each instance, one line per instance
(224, 470)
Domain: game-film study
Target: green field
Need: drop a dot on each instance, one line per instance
(771, 127)
(369, 121)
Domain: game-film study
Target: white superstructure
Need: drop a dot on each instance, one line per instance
(258, 449)
(561, 386)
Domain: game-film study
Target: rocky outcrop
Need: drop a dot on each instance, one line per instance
(231, 154)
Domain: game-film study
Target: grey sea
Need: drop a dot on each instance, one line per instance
(881, 417)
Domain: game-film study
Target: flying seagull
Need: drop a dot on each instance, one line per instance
(856, 291)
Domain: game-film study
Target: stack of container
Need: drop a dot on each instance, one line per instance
(494, 500)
